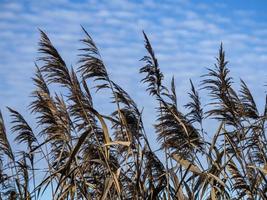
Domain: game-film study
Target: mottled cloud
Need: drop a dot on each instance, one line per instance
(185, 35)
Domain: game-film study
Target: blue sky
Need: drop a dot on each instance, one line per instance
(185, 36)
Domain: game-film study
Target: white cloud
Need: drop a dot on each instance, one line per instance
(185, 37)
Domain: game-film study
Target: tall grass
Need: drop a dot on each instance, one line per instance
(78, 153)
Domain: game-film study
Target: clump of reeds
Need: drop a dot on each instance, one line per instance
(75, 152)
